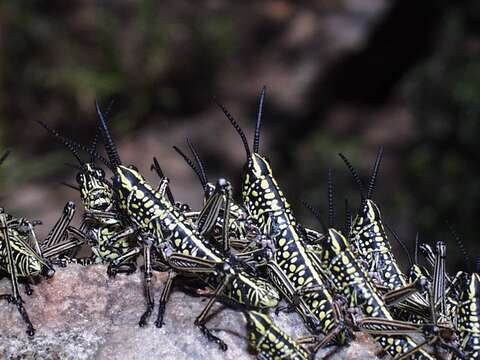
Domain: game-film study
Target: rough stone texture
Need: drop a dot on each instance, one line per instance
(82, 314)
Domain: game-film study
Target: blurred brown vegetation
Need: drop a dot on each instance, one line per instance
(342, 76)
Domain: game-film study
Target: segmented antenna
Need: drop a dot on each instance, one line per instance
(316, 213)
(68, 143)
(258, 124)
(156, 166)
(402, 244)
(108, 140)
(237, 128)
(161, 175)
(94, 154)
(331, 206)
(200, 167)
(460, 244)
(4, 156)
(415, 254)
(376, 168)
(190, 163)
(348, 218)
(355, 175)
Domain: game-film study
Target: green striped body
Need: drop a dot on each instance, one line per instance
(270, 342)
(27, 261)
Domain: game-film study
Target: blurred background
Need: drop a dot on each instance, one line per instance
(341, 75)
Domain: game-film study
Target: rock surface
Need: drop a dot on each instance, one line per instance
(82, 314)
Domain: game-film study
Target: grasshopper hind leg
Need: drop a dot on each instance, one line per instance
(23, 313)
(202, 318)
(164, 299)
(147, 285)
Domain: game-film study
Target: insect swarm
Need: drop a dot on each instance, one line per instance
(249, 255)
(171, 239)
(352, 281)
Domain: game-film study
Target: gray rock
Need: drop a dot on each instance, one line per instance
(82, 314)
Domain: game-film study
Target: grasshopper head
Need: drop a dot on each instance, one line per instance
(94, 190)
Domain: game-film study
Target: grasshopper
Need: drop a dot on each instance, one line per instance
(290, 268)
(370, 242)
(22, 257)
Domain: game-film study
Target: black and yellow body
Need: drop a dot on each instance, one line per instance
(468, 316)
(290, 268)
(369, 241)
(183, 248)
(269, 342)
(353, 282)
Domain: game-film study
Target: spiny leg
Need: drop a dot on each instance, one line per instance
(62, 248)
(122, 234)
(393, 297)
(59, 229)
(202, 318)
(438, 301)
(227, 189)
(147, 284)
(117, 265)
(15, 297)
(164, 298)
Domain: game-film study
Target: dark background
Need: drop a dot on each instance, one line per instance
(342, 76)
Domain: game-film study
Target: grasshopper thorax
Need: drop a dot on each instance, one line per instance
(126, 181)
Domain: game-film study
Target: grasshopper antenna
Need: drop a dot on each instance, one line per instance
(258, 125)
(373, 177)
